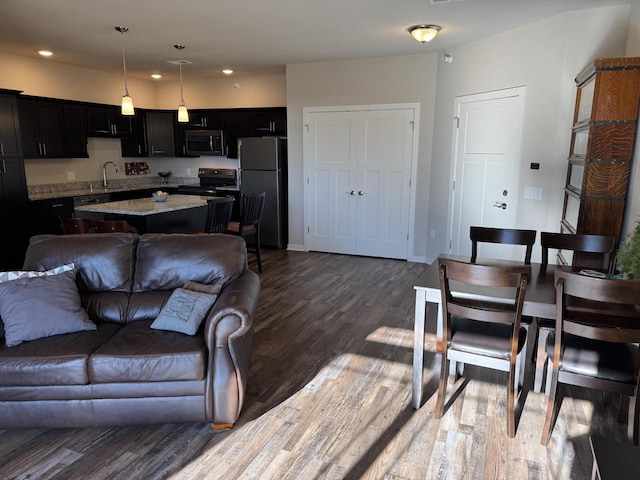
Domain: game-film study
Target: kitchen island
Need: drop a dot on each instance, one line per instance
(178, 214)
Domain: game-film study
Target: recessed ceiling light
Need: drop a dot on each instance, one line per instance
(156, 75)
(45, 53)
(227, 71)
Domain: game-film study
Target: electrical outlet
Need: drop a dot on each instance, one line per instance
(71, 175)
(188, 172)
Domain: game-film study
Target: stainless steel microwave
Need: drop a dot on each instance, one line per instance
(205, 142)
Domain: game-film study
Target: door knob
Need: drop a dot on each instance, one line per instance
(500, 205)
(360, 192)
(352, 192)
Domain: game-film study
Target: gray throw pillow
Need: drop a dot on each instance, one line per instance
(184, 312)
(15, 275)
(42, 306)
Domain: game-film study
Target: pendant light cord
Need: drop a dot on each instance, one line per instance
(180, 63)
(122, 31)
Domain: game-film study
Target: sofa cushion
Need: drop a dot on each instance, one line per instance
(168, 261)
(37, 307)
(104, 261)
(138, 353)
(59, 360)
(185, 310)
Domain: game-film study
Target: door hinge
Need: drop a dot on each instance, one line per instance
(308, 230)
(457, 122)
(307, 180)
(453, 187)
(307, 127)
(412, 124)
(449, 245)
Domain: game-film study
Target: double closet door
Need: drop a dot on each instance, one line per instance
(358, 166)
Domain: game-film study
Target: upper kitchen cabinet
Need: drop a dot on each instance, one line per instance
(135, 145)
(42, 128)
(108, 122)
(205, 120)
(269, 122)
(237, 124)
(160, 134)
(75, 122)
(10, 143)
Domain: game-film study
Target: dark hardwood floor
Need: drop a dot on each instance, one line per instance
(329, 397)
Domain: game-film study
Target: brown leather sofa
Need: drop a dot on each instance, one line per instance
(126, 372)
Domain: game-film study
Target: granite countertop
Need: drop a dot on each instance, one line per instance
(146, 206)
(77, 192)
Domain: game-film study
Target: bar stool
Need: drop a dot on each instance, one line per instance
(249, 224)
(72, 226)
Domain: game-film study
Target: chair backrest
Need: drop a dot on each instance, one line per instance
(77, 225)
(252, 208)
(598, 308)
(107, 226)
(508, 236)
(508, 276)
(218, 214)
(600, 246)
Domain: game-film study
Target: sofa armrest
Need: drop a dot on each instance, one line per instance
(228, 335)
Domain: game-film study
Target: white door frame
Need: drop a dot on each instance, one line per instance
(481, 96)
(414, 161)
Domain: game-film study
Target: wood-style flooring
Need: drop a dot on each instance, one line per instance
(330, 397)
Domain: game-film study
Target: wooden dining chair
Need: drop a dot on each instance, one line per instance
(71, 226)
(594, 344)
(482, 332)
(596, 251)
(218, 214)
(249, 224)
(107, 226)
(507, 236)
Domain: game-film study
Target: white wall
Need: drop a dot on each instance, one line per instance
(385, 80)
(544, 57)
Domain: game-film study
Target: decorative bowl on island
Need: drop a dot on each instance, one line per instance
(160, 196)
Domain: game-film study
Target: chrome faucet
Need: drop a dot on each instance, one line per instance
(104, 172)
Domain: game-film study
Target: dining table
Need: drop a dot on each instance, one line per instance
(540, 302)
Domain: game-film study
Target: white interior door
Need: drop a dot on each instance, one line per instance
(359, 175)
(487, 159)
(384, 172)
(333, 152)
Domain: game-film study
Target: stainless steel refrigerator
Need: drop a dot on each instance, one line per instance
(263, 168)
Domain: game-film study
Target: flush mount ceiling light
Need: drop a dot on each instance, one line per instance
(183, 113)
(45, 53)
(227, 71)
(424, 33)
(156, 75)
(127, 101)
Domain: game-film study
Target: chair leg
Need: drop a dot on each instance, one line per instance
(442, 386)
(511, 396)
(541, 358)
(550, 419)
(634, 419)
(258, 249)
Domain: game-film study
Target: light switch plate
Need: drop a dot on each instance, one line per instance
(71, 175)
(533, 193)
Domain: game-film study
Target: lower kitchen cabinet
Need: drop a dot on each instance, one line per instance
(45, 214)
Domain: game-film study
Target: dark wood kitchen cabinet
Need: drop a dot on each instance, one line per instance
(269, 122)
(13, 184)
(43, 128)
(10, 142)
(108, 122)
(160, 134)
(75, 123)
(237, 124)
(205, 120)
(135, 145)
(45, 214)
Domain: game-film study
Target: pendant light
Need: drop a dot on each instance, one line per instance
(183, 113)
(127, 101)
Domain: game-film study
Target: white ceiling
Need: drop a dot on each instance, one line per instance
(252, 36)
